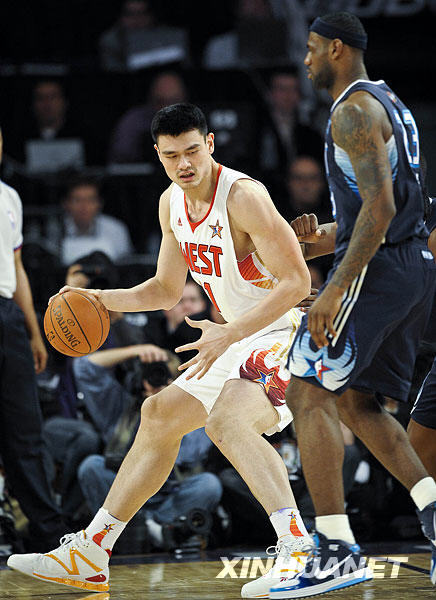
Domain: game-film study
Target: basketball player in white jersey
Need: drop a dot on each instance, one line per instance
(223, 226)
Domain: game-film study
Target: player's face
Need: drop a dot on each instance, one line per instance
(319, 69)
(186, 158)
(83, 204)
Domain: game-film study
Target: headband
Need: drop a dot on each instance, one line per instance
(332, 32)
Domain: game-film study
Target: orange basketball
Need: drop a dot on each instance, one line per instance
(76, 323)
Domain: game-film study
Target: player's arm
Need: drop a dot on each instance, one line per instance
(23, 297)
(315, 240)
(357, 127)
(252, 212)
(163, 290)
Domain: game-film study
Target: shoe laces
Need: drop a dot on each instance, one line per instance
(295, 546)
(71, 540)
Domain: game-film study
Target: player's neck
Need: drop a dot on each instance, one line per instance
(203, 193)
(343, 81)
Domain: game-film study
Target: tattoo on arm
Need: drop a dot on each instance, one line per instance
(356, 131)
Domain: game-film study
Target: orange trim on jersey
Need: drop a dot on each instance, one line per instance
(251, 273)
(197, 223)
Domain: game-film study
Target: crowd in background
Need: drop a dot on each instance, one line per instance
(90, 189)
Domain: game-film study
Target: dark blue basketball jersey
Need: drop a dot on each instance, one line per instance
(403, 151)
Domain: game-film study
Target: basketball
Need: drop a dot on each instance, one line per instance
(76, 323)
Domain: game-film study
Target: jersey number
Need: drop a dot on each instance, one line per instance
(209, 292)
(411, 141)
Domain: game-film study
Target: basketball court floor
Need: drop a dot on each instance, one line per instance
(401, 573)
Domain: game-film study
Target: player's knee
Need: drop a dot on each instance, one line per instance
(298, 396)
(214, 428)
(219, 427)
(353, 409)
(152, 411)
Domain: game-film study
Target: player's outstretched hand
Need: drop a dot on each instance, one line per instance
(214, 340)
(322, 314)
(67, 288)
(307, 302)
(307, 230)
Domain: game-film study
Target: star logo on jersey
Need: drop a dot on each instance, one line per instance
(179, 222)
(316, 368)
(392, 97)
(267, 379)
(216, 229)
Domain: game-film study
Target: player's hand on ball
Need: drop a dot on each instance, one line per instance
(307, 302)
(307, 230)
(214, 341)
(68, 288)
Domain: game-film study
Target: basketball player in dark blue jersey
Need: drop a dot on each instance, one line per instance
(422, 425)
(359, 340)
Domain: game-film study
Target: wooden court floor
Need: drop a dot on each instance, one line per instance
(198, 581)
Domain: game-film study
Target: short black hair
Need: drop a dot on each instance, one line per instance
(345, 21)
(178, 118)
(81, 181)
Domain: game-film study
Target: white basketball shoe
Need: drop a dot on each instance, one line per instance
(291, 560)
(78, 562)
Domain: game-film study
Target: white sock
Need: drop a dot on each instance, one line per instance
(288, 524)
(105, 527)
(424, 492)
(335, 527)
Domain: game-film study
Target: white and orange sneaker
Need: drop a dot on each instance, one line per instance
(291, 560)
(79, 562)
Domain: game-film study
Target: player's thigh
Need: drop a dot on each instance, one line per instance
(172, 411)
(242, 404)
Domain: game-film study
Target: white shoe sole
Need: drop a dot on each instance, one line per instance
(69, 581)
(323, 588)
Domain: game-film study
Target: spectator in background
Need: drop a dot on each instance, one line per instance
(307, 190)
(240, 48)
(50, 121)
(168, 328)
(138, 40)
(307, 193)
(131, 140)
(282, 135)
(86, 228)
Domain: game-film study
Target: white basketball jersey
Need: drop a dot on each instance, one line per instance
(207, 246)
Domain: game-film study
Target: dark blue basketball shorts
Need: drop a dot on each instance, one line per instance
(424, 409)
(383, 315)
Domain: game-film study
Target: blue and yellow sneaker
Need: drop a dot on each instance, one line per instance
(427, 518)
(332, 565)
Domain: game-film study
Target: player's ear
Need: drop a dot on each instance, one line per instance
(156, 147)
(336, 48)
(210, 142)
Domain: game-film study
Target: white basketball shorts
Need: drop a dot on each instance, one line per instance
(260, 358)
